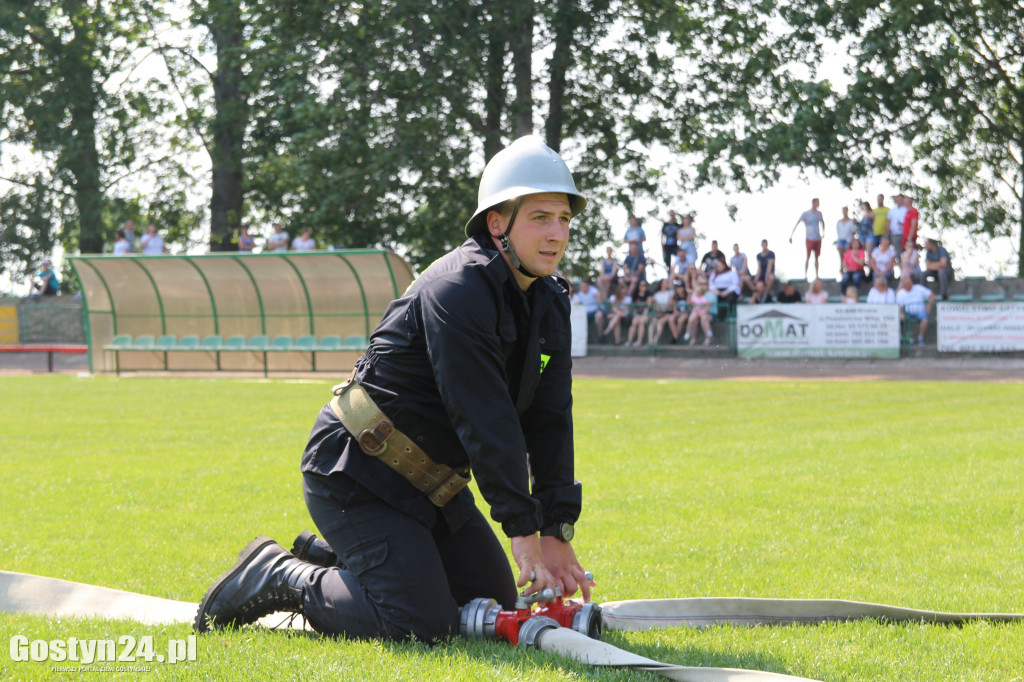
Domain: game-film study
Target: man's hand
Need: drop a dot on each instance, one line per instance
(566, 570)
(527, 552)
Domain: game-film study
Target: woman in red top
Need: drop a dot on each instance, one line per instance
(853, 265)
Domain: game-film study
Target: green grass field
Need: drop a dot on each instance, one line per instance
(900, 493)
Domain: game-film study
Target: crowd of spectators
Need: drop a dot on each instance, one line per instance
(878, 252)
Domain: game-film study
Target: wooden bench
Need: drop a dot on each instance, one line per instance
(49, 350)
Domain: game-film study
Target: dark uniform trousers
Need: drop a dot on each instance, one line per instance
(397, 577)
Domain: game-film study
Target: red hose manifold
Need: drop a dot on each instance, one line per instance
(483, 618)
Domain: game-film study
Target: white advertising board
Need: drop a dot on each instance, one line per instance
(578, 324)
(800, 330)
(982, 327)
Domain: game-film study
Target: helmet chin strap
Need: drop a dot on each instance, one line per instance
(506, 245)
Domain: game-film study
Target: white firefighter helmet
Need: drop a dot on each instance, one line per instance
(527, 166)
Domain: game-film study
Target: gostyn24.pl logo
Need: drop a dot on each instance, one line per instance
(126, 649)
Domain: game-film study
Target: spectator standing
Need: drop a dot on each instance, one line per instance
(121, 246)
(686, 240)
(278, 241)
(246, 243)
(915, 302)
(725, 284)
(635, 233)
(790, 294)
(814, 223)
(634, 267)
(883, 259)
(938, 267)
(765, 266)
(129, 234)
(609, 273)
(846, 229)
(881, 293)
(741, 267)
(881, 226)
(304, 242)
(761, 294)
(152, 243)
(853, 266)
(910, 223)
(866, 227)
(896, 215)
(817, 294)
(669, 235)
(707, 263)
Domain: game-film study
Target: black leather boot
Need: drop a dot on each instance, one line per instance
(266, 578)
(309, 547)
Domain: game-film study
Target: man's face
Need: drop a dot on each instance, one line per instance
(906, 283)
(931, 246)
(814, 204)
(540, 233)
(881, 199)
(714, 247)
(764, 246)
(880, 284)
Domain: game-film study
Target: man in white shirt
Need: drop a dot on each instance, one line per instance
(305, 242)
(152, 244)
(881, 293)
(896, 215)
(277, 241)
(589, 297)
(916, 303)
(883, 259)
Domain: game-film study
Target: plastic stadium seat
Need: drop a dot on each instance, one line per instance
(260, 342)
(305, 343)
(212, 342)
(281, 343)
(166, 342)
(354, 343)
(992, 298)
(330, 343)
(120, 341)
(961, 298)
(190, 342)
(234, 343)
(144, 342)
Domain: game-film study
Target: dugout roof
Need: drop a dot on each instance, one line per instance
(321, 293)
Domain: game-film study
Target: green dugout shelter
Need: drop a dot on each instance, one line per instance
(291, 311)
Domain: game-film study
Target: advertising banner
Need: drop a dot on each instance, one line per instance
(797, 330)
(981, 327)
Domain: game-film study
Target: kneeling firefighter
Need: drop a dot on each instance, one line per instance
(469, 371)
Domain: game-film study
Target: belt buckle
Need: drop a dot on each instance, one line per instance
(374, 440)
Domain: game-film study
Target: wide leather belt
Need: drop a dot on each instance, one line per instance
(378, 438)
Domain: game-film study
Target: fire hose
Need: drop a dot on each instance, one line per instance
(546, 622)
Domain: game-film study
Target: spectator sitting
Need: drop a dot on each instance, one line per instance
(609, 273)
(910, 262)
(618, 310)
(700, 311)
(707, 263)
(45, 283)
(915, 302)
(790, 294)
(725, 284)
(765, 266)
(152, 243)
(853, 265)
(881, 293)
(679, 315)
(740, 265)
(761, 294)
(817, 293)
(850, 296)
(640, 307)
(634, 267)
(883, 259)
(664, 313)
(589, 297)
(937, 266)
(304, 242)
(121, 245)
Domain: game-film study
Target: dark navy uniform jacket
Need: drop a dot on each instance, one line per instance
(478, 372)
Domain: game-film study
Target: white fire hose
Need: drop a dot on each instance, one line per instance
(31, 594)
